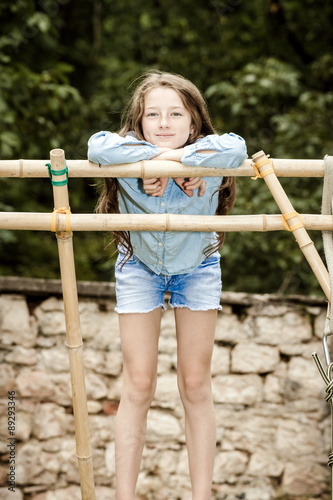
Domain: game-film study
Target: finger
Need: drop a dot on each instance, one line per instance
(193, 183)
(202, 189)
(150, 181)
(152, 189)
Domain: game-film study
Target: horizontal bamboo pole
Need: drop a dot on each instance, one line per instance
(155, 168)
(157, 222)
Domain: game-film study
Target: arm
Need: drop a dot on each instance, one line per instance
(156, 187)
(225, 151)
(217, 151)
(107, 148)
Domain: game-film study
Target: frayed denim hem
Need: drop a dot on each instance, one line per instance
(145, 311)
(182, 306)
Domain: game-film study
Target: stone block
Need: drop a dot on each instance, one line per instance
(22, 356)
(110, 458)
(220, 360)
(238, 389)
(24, 425)
(101, 430)
(51, 317)
(251, 432)
(7, 377)
(273, 389)
(114, 388)
(248, 489)
(54, 359)
(305, 478)
(303, 379)
(167, 393)
(96, 387)
(6, 494)
(253, 358)
(295, 438)
(16, 325)
(229, 465)
(319, 324)
(36, 466)
(62, 387)
(35, 384)
(230, 330)
(113, 363)
(162, 426)
(265, 463)
(49, 421)
(291, 328)
(89, 319)
(102, 334)
(72, 492)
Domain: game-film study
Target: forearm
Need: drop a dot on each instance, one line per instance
(170, 154)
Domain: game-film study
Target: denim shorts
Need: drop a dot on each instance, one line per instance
(140, 290)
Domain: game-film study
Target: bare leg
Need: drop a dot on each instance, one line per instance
(195, 336)
(139, 340)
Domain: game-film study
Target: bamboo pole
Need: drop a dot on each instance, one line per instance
(73, 335)
(154, 168)
(266, 171)
(157, 222)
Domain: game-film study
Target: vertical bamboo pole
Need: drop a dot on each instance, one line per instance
(304, 241)
(73, 334)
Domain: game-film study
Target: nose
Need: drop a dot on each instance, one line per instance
(164, 121)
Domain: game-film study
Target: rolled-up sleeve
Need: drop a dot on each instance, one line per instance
(229, 152)
(108, 148)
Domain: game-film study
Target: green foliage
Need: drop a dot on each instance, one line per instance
(267, 74)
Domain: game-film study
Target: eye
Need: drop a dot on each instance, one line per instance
(152, 114)
(176, 114)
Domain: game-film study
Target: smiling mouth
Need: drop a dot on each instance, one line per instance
(164, 135)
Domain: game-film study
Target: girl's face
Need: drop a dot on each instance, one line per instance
(165, 121)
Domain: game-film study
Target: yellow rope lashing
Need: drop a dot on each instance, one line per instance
(259, 164)
(62, 210)
(290, 215)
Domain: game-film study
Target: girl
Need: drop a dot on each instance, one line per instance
(167, 120)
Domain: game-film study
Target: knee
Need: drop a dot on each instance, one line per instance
(195, 389)
(140, 389)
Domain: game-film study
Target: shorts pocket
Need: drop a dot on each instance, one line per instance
(211, 260)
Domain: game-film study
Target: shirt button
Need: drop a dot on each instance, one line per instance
(160, 244)
(160, 262)
(162, 204)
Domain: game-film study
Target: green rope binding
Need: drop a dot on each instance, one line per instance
(57, 172)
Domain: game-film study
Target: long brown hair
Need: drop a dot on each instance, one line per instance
(202, 126)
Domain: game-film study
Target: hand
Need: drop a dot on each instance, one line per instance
(154, 186)
(191, 185)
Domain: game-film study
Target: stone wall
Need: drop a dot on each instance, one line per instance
(272, 419)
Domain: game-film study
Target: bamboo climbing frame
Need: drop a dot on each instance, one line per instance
(63, 223)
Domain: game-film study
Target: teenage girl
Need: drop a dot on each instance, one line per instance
(167, 120)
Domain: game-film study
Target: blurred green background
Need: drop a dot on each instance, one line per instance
(265, 68)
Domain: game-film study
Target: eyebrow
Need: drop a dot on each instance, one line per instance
(171, 107)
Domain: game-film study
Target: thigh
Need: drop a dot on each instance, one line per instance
(195, 342)
(139, 334)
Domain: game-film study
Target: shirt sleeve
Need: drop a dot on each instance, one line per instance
(108, 148)
(229, 152)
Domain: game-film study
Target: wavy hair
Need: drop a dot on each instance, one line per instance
(132, 121)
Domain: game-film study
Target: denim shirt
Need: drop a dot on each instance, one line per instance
(172, 252)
